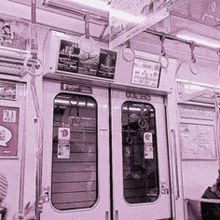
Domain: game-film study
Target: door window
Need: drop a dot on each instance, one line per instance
(74, 157)
(140, 161)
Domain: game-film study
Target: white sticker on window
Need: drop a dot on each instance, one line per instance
(148, 146)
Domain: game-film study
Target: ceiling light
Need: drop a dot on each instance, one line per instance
(102, 5)
(98, 4)
(199, 39)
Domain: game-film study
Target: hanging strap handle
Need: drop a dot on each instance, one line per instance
(193, 66)
(87, 18)
(163, 54)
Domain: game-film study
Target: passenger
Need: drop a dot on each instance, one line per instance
(211, 211)
(135, 186)
(151, 181)
(3, 192)
(29, 212)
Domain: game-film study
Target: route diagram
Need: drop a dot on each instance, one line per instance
(197, 141)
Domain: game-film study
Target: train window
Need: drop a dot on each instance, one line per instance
(140, 163)
(74, 159)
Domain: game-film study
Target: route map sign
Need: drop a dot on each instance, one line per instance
(197, 142)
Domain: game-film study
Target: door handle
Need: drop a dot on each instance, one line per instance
(45, 194)
(106, 215)
(116, 215)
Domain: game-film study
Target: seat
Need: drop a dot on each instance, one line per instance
(193, 209)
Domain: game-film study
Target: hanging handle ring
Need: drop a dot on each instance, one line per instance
(77, 118)
(142, 123)
(34, 67)
(163, 56)
(165, 64)
(127, 52)
(86, 42)
(129, 140)
(193, 66)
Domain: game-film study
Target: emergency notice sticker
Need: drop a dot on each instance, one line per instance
(148, 146)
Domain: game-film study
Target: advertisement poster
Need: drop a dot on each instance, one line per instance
(68, 56)
(100, 62)
(13, 34)
(107, 62)
(9, 124)
(129, 18)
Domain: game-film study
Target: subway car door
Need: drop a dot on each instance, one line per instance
(140, 181)
(76, 152)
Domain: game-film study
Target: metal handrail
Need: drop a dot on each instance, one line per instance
(217, 201)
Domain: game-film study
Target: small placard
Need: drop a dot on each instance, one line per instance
(146, 73)
(63, 151)
(9, 116)
(138, 96)
(63, 134)
(76, 88)
(196, 112)
(8, 90)
(63, 147)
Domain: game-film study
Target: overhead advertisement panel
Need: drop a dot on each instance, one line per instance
(128, 18)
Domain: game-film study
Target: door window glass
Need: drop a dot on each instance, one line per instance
(140, 163)
(74, 157)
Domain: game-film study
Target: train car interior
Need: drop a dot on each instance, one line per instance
(109, 109)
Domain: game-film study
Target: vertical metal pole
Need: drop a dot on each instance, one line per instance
(22, 165)
(87, 17)
(217, 127)
(33, 51)
(33, 11)
(39, 147)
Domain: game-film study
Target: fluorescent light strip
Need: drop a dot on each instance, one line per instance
(199, 39)
(127, 17)
(198, 83)
(94, 4)
(101, 5)
(19, 51)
